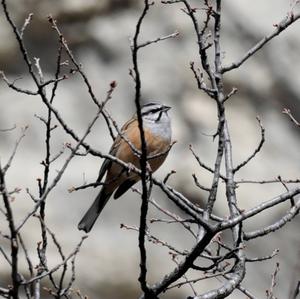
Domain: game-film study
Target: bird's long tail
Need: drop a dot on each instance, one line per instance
(90, 217)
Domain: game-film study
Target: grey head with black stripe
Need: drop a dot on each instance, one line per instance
(156, 118)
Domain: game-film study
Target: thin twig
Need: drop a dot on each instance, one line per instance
(257, 150)
(203, 165)
(143, 158)
(270, 292)
(147, 43)
(207, 276)
(292, 118)
(155, 240)
(198, 184)
(262, 258)
(14, 151)
(26, 23)
(14, 244)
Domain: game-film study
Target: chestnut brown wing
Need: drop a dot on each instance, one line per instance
(106, 165)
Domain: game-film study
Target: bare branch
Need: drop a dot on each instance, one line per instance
(201, 44)
(246, 292)
(286, 181)
(54, 269)
(26, 23)
(28, 259)
(5, 256)
(263, 258)
(204, 165)
(275, 226)
(292, 118)
(143, 158)
(14, 245)
(14, 151)
(204, 277)
(60, 172)
(153, 239)
(147, 43)
(9, 129)
(281, 26)
(200, 81)
(175, 217)
(18, 89)
(168, 176)
(76, 64)
(232, 93)
(183, 266)
(297, 291)
(185, 205)
(261, 207)
(198, 184)
(170, 1)
(257, 150)
(270, 292)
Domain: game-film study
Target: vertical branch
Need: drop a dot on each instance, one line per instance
(296, 292)
(217, 32)
(295, 281)
(217, 83)
(230, 185)
(214, 187)
(28, 289)
(239, 269)
(143, 157)
(215, 78)
(232, 204)
(49, 121)
(42, 252)
(14, 245)
(201, 41)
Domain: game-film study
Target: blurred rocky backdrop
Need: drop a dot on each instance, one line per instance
(99, 32)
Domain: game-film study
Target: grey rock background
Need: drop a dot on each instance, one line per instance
(98, 31)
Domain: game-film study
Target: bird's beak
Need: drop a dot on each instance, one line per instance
(166, 108)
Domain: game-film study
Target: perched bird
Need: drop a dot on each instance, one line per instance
(157, 130)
